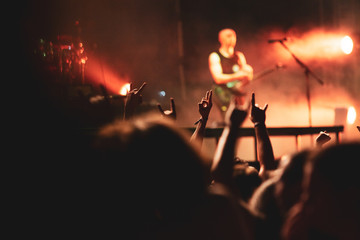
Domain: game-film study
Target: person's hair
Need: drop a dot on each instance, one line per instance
(156, 156)
(327, 164)
(246, 179)
(292, 172)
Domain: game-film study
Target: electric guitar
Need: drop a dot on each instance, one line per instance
(226, 91)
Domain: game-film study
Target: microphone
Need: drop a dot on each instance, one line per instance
(277, 40)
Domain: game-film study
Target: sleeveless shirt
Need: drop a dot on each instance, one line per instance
(225, 91)
(229, 65)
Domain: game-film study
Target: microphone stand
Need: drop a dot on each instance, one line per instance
(307, 72)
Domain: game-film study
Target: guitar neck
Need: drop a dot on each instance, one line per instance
(260, 75)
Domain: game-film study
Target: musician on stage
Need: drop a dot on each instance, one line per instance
(229, 70)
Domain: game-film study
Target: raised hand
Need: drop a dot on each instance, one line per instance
(257, 115)
(204, 109)
(169, 113)
(222, 168)
(264, 147)
(322, 138)
(134, 95)
(133, 99)
(205, 105)
(235, 115)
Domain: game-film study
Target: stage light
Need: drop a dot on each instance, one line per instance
(162, 93)
(125, 89)
(351, 115)
(319, 44)
(347, 45)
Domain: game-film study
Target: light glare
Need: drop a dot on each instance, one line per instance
(162, 93)
(351, 116)
(125, 89)
(347, 44)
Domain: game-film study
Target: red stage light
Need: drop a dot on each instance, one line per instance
(99, 72)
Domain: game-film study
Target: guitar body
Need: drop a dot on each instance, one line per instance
(236, 89)
(226, 92)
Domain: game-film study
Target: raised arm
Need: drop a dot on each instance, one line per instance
(264, 147)
(322, 138)
(204, 109)
(223, 163)
(132, 101)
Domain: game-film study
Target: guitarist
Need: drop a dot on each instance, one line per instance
(229, 70)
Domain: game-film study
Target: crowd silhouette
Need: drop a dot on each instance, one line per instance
(141, 176)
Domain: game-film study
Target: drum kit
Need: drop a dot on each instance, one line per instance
(66, 57)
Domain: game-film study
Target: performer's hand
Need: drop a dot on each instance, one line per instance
(257, 115)
(243, 76)
(169, 113)
(205, 105)
(250, 72)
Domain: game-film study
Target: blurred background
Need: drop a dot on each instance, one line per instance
(166, 43)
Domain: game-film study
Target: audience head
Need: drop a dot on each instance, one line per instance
(246, 179)
(156, 158)
(329, 204)
(289, 185)
(325, 180)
